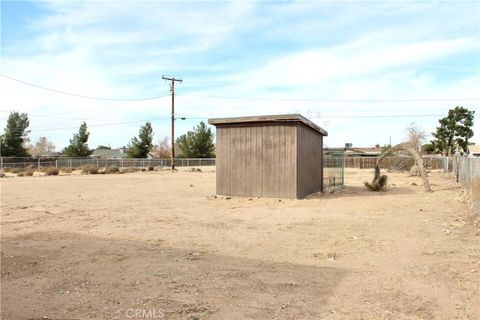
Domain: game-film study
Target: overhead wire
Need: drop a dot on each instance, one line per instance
(77, 94)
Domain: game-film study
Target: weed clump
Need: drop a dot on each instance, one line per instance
(377, 184)
(131, 169)
(89, 169)
(112, 169)
(52, 171)
(17, 170)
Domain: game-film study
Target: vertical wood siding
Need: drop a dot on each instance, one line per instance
(309, 165)
(257, 160)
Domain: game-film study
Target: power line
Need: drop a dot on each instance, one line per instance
(97, 125)
(76, 94)
(101, 125)
(332, 100)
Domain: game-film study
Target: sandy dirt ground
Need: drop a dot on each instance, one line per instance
(160, 245)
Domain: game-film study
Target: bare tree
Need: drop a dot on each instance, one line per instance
(163, 149)
(416, 136)
(41, 147)
(379, 181)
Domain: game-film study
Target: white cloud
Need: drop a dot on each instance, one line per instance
(121, 49)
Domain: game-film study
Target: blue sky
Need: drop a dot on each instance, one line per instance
(336, 62)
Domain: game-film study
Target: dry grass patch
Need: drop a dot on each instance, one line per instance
(111, 169)
(17, 170)
(89, 169)
(52, 171)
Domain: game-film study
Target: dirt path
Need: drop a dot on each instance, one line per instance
(160, 245)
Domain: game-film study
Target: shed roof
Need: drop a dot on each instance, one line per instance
(270, 118)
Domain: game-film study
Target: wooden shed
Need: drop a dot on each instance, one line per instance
(269, 156)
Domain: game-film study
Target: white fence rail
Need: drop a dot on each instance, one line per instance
(467, 173)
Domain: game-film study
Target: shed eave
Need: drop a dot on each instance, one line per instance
(269, 118)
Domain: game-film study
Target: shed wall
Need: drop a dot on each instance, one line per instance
(309, 165)
(257, 159)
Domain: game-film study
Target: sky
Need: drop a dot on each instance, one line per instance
(362, 70)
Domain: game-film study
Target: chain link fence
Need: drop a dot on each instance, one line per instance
(73, 163)
(333, 170)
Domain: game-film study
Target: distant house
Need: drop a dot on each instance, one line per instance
(108, 153)
(350, 151)
(49, 154)
(474, 150)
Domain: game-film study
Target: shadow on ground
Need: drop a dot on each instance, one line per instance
(360, 191)
(72, 276)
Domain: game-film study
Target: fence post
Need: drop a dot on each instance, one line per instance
(38, 164)
(56, 163)
(1, 163)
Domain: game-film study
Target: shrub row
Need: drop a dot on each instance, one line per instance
(86, 169)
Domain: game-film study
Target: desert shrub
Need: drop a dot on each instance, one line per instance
(7, 169)
(2, 175)
(112, 169)
(377, 185)
(52, 171)
(93, 170)
(89, 169)
(131, 169)
(17, 170)
(66, 170)
(150, 168)
(27, 172)
(199, 170)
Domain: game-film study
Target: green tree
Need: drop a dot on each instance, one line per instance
(454, 131)
(197, 143)
(12, 141)
(141, 146)
(428, 148)
(78, 144)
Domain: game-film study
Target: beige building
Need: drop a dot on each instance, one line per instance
(269, 156)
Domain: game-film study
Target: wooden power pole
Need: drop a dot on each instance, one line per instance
(172, 89)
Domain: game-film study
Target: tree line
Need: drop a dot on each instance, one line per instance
(452, 134)
(14, 142)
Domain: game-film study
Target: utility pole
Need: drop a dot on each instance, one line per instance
(172, 89)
